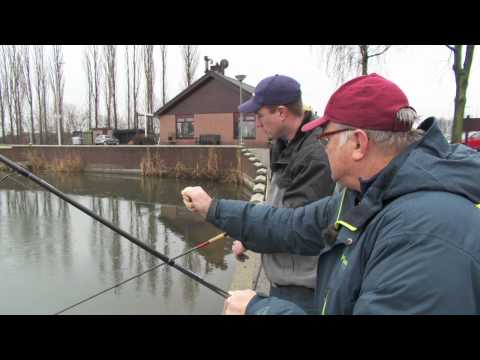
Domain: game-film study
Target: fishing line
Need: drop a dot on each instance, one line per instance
(218, 237)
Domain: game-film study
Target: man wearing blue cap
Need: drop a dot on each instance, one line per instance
(300, 175)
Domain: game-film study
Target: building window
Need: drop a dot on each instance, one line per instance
(185, 129)
(249, 126)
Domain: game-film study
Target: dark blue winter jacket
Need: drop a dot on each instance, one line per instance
(411, 245)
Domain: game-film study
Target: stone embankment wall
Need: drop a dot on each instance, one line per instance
(248, 273)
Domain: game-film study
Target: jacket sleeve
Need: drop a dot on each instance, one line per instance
(266, 229)
(311, 178)
(272, 306)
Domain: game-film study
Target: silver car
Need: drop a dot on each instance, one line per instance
(106, 140)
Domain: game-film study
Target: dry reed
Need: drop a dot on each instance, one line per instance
(153, 165)
(67, 164)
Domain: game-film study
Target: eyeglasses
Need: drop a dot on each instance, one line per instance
(326, 136)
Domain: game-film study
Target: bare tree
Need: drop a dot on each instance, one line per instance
(28, 87)
(7, 89)
(190, 57)
(149, 69)
(109, 53)
(2, 113)
(41, 91)
(163, 58)
(17, 93)
(462, 73)
(95, 64)
(2, 108)
(74, 120)
(113, 78)
(107, 97)
(87, 65)
(58, 85)
(136, 82)
(343, 60)
(127, 61)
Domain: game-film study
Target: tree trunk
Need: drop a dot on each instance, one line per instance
(114, 98)
(15, 71)
(2, 112)
(88, 72)
(163, 53)
(459, 110)
(44, 102)
(109, 58)
(136, 84)
(149, 80)
(128, 87)
(38, 51)
(364, 58)
(96, 80)
(461, 78)
(10, 113)
(26, 63)
(190, 59)
(107, 101)
(113, 79)
(57, 84)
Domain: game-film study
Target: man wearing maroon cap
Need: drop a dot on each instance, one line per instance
(403, 238)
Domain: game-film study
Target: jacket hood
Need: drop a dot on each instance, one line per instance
(432, 164)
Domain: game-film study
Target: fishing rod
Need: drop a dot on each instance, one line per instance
(108, 224)
(199, 246)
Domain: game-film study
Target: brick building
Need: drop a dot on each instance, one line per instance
(208, 107)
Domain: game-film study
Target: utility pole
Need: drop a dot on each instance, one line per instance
(240, 122)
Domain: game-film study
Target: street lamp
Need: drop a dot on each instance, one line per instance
(146, 117)
(240, 123)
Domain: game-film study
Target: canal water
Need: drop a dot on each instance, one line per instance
(53, 255)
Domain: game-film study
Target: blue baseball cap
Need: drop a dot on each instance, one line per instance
(273, 90)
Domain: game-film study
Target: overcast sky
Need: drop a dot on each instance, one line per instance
(423, 72)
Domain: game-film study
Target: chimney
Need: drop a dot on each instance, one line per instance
(218, 67)
(207, 61)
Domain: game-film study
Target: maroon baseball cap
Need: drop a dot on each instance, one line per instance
(366, 102)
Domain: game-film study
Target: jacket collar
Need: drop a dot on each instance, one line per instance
(375, 190)
(282, 150)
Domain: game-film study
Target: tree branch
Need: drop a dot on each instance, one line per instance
(380, 52)
(457, 60)
(467, 64)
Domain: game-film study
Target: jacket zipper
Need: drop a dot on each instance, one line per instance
(324, 308)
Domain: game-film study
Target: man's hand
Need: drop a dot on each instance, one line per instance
(237, 303)
(196, 200)
(238, 248)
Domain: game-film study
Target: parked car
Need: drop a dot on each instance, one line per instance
(473, 143)
(474, 135)
(106, 140)
(77, 140)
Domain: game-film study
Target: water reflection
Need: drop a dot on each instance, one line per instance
(54, 255)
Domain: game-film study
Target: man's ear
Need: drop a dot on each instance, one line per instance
(360, 145)
(282, 110)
